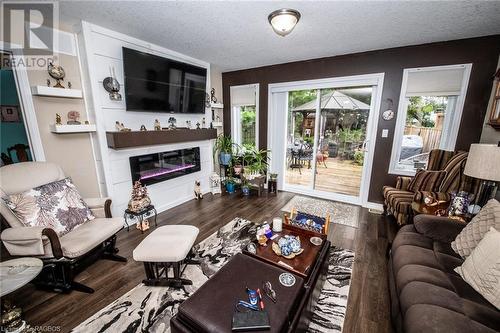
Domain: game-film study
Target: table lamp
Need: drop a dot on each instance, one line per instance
(483, 163)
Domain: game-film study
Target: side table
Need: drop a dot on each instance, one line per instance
(140, 215)
(14, 274)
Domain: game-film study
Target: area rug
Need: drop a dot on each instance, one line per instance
(149, 309)
(340, 213)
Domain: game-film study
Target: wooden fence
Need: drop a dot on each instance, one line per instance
(429, 135)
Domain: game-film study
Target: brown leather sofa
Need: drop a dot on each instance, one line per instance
(211, 307)
(427, 295)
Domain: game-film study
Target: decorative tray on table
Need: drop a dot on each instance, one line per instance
(288, 247)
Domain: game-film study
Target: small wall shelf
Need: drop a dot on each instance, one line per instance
(66, 129)
(217, 105)
(56, 92)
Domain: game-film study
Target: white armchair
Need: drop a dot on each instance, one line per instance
(63, 256)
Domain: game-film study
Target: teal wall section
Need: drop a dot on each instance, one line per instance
(10, 133)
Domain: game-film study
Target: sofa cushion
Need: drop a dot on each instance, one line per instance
(482, 268)
(56, 205)
(87, 236)
(471, 235)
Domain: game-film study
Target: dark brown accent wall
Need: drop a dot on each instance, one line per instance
(482, 52)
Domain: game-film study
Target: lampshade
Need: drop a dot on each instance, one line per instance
(284, 20)
(483, 162)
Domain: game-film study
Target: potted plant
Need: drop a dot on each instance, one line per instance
(230, 184)
(245, 187)
(223, 146)
(237, 166)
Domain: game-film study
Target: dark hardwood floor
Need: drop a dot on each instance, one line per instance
(368, 305)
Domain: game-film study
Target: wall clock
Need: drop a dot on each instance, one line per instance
(388, 115)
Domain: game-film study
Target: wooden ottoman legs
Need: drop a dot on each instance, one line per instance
(157, 274)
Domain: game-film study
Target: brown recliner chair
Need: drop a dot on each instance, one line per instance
(63, 256)
(398, 199)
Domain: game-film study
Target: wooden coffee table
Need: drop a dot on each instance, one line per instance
(301, 264)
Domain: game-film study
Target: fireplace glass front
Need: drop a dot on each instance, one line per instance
(158, 167)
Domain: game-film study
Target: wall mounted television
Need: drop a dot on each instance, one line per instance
(158, 84)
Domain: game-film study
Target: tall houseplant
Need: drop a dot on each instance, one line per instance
(223, 148)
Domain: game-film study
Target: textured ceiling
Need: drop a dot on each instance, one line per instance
(236, 35)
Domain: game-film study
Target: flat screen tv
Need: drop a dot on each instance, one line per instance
(158, 84)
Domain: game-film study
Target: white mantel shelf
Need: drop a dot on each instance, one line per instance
(67, 129)
(56, 92)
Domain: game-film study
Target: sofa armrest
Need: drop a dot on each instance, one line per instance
(402, 182)
(100, 207)
(439, 196)
(29, 241)
(438, 228)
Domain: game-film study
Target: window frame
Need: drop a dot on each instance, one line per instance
(402, 114)
(236, 130)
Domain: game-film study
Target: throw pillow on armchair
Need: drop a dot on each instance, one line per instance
(57, 205)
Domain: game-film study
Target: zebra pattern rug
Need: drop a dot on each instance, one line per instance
(149, 309)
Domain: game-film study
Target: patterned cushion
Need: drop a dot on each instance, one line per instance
(471, 235)
(56, 205)
(426, 180)
(482, 268)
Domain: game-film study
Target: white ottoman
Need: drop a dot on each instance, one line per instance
(166, 247)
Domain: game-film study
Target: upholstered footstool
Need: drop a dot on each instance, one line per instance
(165, 247)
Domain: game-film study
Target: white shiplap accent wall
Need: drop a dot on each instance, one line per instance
(101, 49)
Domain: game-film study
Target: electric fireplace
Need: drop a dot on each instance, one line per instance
(158, 167)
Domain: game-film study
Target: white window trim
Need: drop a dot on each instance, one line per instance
(402, 108)
(236, 118)
(25, 101)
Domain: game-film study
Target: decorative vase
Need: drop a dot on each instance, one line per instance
(225, 158)
(230, 187)
(237, 169)
(245, 190)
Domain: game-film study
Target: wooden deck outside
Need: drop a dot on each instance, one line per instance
(339, 176)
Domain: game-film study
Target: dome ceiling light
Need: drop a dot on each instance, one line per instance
(284, 20)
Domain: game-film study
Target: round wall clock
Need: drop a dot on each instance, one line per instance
(388, 115)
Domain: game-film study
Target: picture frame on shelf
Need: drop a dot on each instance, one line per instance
(10, 114)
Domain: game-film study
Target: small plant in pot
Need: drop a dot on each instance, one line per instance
(238, 168)
(223, 148)
(230, 185)
(245, 188)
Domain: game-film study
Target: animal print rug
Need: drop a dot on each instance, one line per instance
(149, 309)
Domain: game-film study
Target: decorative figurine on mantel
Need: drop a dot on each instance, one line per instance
(58, 119)
(198, 125)
(157, 125)
(73, 117)
(172, 121)
(139, 198)
(57, 73)
(212, 96)
(203, 123)
(69, 85)
(48, 82)
(188, 124)
(197, 190)
(120, 128)
(143, 128)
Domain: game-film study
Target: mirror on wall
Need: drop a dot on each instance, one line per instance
(245, 115)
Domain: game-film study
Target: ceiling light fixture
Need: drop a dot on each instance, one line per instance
(284, 20)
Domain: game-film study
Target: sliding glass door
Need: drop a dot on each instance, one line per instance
(326, 136)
